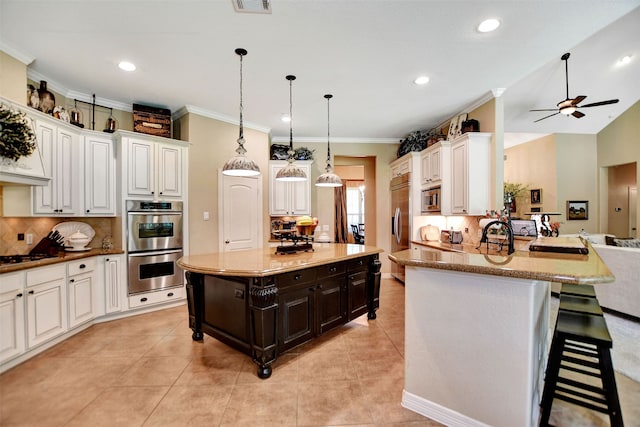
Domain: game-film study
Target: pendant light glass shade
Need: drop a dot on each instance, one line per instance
(240, 165)
(291, 172)
(328, 179)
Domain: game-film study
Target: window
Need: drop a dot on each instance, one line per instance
(355, 202)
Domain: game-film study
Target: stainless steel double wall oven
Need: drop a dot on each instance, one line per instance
(154, 245)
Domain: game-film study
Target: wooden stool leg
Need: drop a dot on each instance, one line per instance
(553, 370)
(609, 386)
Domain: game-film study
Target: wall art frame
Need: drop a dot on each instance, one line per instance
(536, 196)
(577, 210)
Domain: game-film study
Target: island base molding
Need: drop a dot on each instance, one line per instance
(268, 315)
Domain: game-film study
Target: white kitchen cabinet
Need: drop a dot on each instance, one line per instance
(62, 156)
(470, 174)
(99, 176)
(157, 297)
(12, 321)
(81, 284)
(434, 164)
(114, 283)
(154, 168)
(289, 198)
(46, 304)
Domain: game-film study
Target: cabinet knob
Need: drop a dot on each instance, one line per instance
(31, 292)
(19, 295)
(161, 193)
(153, 192)
(82, 266)
(144, 299)
(170, 294)
(297, 277)
(106, 259)
(226, 241)
(72, 280)
(88, 210)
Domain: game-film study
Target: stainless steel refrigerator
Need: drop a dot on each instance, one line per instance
(400, 219)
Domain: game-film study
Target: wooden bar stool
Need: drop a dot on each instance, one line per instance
(581, 345)
(578, 290)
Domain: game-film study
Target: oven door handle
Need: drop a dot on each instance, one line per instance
(154, 253)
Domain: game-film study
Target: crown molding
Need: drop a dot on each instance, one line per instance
(323, 140)
(21, 56)
(192, 109)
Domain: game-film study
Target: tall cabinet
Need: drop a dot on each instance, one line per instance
(470, 174)
(61, 154)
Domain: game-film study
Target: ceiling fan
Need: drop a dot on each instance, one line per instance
(570, 106)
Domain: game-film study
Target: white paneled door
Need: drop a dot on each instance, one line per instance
(241, 213)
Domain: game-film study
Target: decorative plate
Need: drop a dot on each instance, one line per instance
(67, 228)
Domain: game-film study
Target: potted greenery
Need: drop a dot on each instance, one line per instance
(16, 136)
(511, 191)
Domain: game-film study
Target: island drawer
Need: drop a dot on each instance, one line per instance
(295, 277)
(358, 264)
(332, 269)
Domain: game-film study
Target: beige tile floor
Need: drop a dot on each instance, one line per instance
(146, 371)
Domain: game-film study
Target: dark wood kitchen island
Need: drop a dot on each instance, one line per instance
(263, 303)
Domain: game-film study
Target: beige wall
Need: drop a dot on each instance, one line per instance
(485, 115)
(13, 79)
(617, 144)
(533, 164)
(213, 143)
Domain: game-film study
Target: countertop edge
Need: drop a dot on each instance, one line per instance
(62, 257)
(369, 250)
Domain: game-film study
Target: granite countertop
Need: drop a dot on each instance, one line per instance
(265, 262)
(522, 264)
(63, 256)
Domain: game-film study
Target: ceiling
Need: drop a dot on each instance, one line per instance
(365, 53)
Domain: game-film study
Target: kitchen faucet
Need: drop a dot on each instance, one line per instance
(484, 238)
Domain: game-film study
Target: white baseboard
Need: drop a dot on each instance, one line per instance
(437, 412)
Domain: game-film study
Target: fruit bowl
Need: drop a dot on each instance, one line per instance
(306, 230)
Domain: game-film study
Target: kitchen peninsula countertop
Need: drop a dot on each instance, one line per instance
(63, 256)
(265, 262)
(522, 264)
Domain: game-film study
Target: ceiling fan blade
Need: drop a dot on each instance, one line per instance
(547, 109)
(577, 114)
(546, 117)
(578, 99)
(595, 104)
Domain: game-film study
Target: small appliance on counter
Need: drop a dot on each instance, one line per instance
(301, 240)
(450, 236)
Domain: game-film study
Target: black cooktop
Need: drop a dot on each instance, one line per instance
(17, 259)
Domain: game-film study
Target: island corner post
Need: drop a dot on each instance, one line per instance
(266, 315)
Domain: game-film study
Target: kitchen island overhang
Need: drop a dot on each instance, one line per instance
(263, 303)
(477, 331)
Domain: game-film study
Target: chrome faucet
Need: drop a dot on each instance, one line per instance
(485, 239)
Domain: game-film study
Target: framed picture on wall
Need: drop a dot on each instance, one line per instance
(536, 196)
(577, 210)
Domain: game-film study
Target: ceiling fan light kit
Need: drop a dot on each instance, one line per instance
(569, 106)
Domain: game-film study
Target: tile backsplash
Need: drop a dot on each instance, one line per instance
(10, 227)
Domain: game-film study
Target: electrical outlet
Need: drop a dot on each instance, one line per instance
(20, 236)
(466, 230)
(29, 239)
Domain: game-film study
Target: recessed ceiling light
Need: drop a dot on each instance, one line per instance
(127, 66)
(422, 80)
(286, 118)
(488, 25)
(624, 60)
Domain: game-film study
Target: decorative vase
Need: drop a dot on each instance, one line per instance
(47, 99)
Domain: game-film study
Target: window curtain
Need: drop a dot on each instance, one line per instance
(340, 208)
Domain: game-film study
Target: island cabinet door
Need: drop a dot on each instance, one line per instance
(357, 283)
(297, 315)
(331, 300)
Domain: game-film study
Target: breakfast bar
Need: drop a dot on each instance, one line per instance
(263, 303)
(477, 330)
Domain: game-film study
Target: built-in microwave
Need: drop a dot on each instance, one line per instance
(430, 200)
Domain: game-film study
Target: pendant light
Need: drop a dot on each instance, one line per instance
(240, 165)
(291, 172)
(328, 179)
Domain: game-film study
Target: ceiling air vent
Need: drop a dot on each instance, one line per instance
(252, 6)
